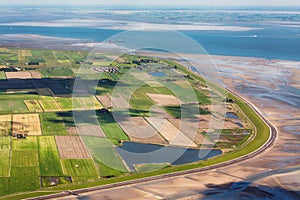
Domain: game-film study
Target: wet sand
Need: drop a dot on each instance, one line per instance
(268, 84)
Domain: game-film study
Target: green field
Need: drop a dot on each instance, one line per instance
(52, 124)
(2, 76)
(49, 104)
(33, 106)
(111, 128)
(48, 157)
(4, 156)
(24, 174)
(78, 103)
(185, 111)
(151, 166)
(104, 154)
(57, 71)
(80, 169)
(30, 143)
(11, 105)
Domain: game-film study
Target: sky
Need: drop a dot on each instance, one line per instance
(158, 2)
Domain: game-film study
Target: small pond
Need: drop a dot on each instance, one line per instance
(138, 153)
(157, 74)
(231, 115)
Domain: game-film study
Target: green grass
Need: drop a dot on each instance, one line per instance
(57, 71)
(52, 124)
(4, 156)
(185, 95)
(80, 169)
(48, 157)
(164, 90)
(12, 106)
(49, 104)
(24, 178)
(24, 169)
(4, 186)
(110, 163)
(150, 166)
(185, 111)
(30, 143)
(2, 75)
(78, 103)
(22, 158)
(33, 105)
(111, 128)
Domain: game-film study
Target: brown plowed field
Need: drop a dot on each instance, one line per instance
(71, 147)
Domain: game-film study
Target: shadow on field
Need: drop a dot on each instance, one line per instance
(58, 86)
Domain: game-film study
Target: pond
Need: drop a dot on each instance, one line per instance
(138, 153)
(157, 74)
(231, 115)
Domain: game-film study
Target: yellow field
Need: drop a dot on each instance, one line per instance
(27, 123)
(22, 54)
(164, 100)
(49, 104)
(5, 124)
(33, 105)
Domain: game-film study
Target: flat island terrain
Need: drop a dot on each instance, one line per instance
(44, 150)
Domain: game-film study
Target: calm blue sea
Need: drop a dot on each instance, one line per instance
(271, 42)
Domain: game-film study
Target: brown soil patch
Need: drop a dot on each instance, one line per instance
(104, 100)
(5, 124)
(71, 147)
(27, 123)
(190, 128)
(164, 100)
(35, 75)
(170, 132)
(138, 129)
(72, 130)
(18, 75)
(90, 130)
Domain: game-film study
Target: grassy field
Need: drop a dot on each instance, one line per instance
(151, 166)
(57, 71)
(33, 105)
(105, 156)
(30, 143)
(111, 128)
(80, 169)
(4, 156)
(188, 111)
(52, 124)
(11, 105)
(24, 173)
(49, 104)
(78, 103)
(2, 76)
(48, 157)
